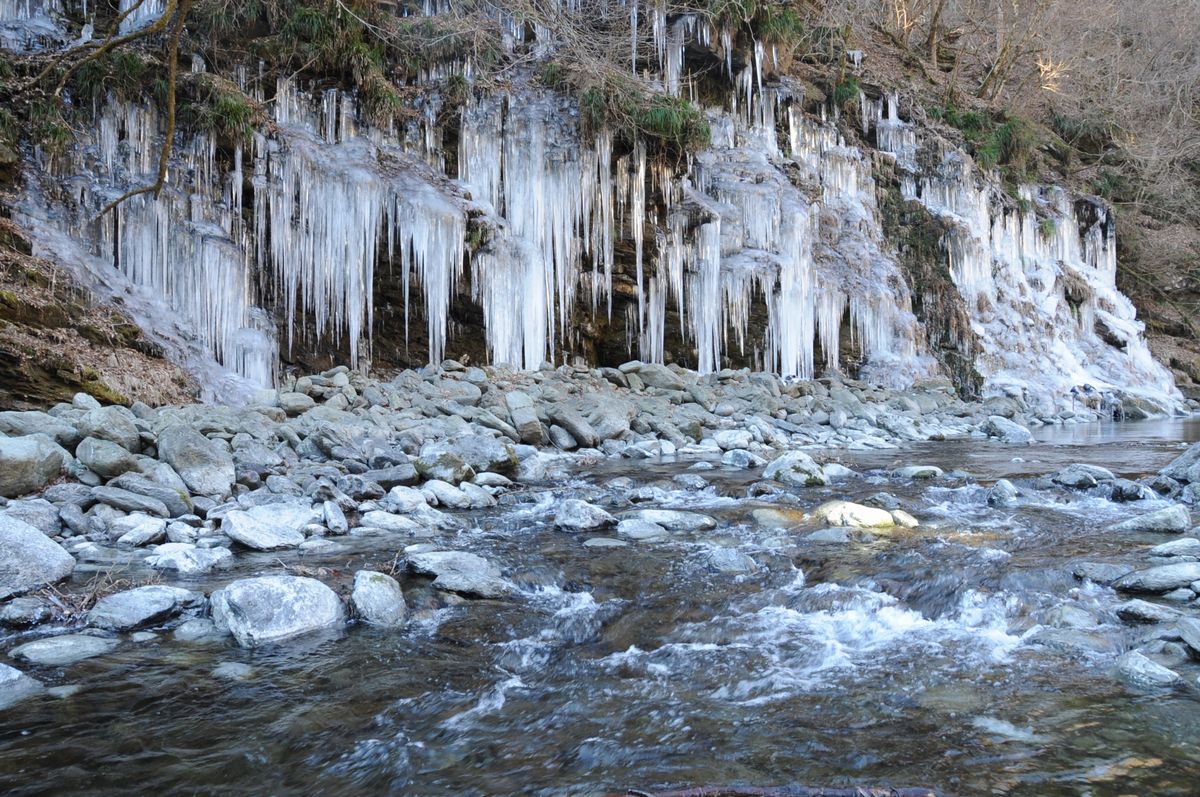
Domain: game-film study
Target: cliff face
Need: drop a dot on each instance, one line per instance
(737, 206)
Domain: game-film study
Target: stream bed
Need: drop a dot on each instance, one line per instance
(961, 655)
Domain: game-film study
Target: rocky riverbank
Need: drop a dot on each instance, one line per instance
(116, 520)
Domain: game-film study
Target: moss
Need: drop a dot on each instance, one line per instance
(1047, 227)
(214, 106)
(846, 91)
(994, 140)
(103, 393)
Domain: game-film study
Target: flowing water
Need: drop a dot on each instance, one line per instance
(933, 657)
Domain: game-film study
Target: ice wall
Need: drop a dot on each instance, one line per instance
(1037, 274)
(766, 246)
(29, 24)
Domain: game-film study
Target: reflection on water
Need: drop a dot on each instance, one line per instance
(961, 655)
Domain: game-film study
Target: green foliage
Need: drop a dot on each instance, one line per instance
(731, 12)
(553, 75)
(846, 91)
(780, 25)
(1110, 185)
(218, 108)
(994, 140)
(673, 121)
(1088, 135)
(123, 74)
(1047, 227)
(48, 129)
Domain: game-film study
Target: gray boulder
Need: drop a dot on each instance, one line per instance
(37, 512)
(60, 651)
(128, 501)
(1172, 519)
(673, 520)
(173, 497)
(377, 599)
(1140, 671)
(29, 559)
(576, 425)
(1163, 578)
(524, 418)
(1184, 467)
(105, 458)
(16, 686)
(141, 606)
(28, 464)
(296, 403)
(577, 515)
(270, 527)
(25, 612)
(1184, 546)
(483, 453)
(111, 423)
(1007, 431)
(1082, 477)
(461, 572)
(1100, 572)
(444, 466)
(187, 559)
(1140, 611)
(797, 469)
(1189, 632)
(258, 611)
(137, 530)
(20, 424)
(637, 529)
(660, 376)
(205, 467)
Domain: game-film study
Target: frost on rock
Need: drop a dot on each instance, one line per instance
(27, 25)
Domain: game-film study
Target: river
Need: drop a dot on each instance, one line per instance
(961, 656)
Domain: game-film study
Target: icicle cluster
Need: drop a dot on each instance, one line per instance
(1037, 275)
(29, 24)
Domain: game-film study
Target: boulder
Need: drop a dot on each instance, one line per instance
(525, 418)
(296, 403)
(377, 599)
(270, 527)
(660, 376)
(205, 467)
(16, 686)
(1140, 611)
(672, 520)
(1140, 671)
(483, 453)
(577, 515)
(845, 513)
(797, 469)
(128, 501)
(173, 496)
(388, 521)
(461, 572)
(1189, 632)
(137, 530)
(25, 612)
(444, 466)
(60, 651)
(141, 606)
(266, 609)
(446, 494)
(637, 529)
(187, 559)
(37, 512)
(1082, 477)
(393, 476)
(114, 424)
(1184, 546)
(575, 424)
(1172, 519)
(1184, 467)
(28, 464)
(21, 424)
(918, 472)
(1007, 431)
(29, 559)
(105, 458)
(1100, 572)
(1163, 578)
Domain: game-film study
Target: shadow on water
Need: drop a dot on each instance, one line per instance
(961, 655)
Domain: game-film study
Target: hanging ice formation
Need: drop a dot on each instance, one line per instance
(1037, 275)
(29, 24)
(766, 246)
